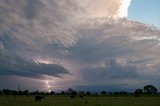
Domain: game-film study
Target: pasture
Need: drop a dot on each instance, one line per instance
(86, 101)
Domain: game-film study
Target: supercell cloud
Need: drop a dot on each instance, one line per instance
(69, 43)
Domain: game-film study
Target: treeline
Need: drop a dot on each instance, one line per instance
(20, 92)
(73, 92)
(146, 90)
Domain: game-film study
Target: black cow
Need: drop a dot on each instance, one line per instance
(136, 95)
(72, 97)
(81, 96)
(38, 98)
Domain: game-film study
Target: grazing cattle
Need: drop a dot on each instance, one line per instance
(81, 96)
(72, 97)
(38, 98)
(137, 95)
(116, 98)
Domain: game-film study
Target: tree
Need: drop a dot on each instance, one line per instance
(150, 89)
(116, 93)
(81, 93)
(52, 93)
(26, 92)
(20, 92)
(14, 92)
(103, 92)
(88, 93)
(123, 93)
(62, 93)
(74, 93)
(1, 92)
(69, 91)
(7, 92)
(138, 91)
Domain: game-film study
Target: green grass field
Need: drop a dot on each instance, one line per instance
(86, 101)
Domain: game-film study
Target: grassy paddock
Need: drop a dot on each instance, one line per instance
(86, 101)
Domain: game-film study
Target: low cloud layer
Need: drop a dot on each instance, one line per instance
(59, 41)
(12, 64)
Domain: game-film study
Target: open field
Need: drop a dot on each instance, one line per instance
(86, 101)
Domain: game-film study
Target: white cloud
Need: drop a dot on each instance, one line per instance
(106, 8)
(123, 10)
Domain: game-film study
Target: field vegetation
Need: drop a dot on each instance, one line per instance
(85, 101)
(147, 96)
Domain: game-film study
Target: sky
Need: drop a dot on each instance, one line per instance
(145, 11)
(86, 45)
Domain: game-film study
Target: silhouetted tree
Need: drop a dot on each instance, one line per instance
(81, 93)
(110, 93)
(88, 93)
(69, 91)
(7, 92)
(36, 92)
(43, 93)
(52, 93)
(116, 94)
(74, 93)
(103, 92)
(150, 89)
(62, 93)
(138, 91)
(20, 92)
(1, 92)
(26, 92)
(123, 93)
(14, 92)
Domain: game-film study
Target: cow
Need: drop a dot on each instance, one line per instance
(81, 96)
(38, 98)
(136, 95)
(72, 97)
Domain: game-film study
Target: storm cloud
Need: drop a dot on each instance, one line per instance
(62, 42)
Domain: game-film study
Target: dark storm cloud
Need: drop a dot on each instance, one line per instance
(32, 8)
(12, 64)
(21, 40)
(111, 70)
(115, 53)
(111, 40)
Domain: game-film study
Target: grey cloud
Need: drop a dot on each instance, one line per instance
(15, 65)
(25, 30)
(111, 70)
(127, 55)
(26, 20)
(32, 8)
(109, 39)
